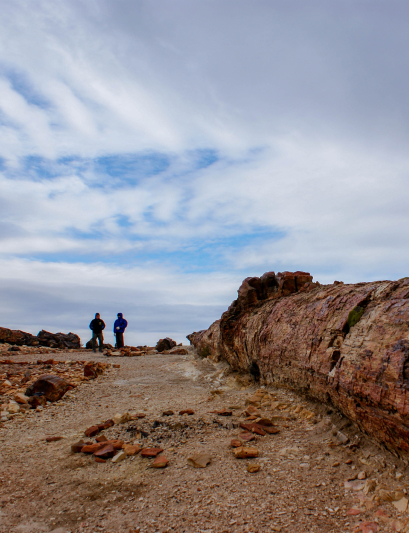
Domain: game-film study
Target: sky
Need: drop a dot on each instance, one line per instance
(155, 154)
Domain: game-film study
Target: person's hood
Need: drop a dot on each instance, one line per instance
(96, 315)
(119, 315)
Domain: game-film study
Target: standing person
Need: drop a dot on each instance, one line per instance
(97, 325)
(119, 328)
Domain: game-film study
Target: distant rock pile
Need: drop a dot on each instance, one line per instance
(44, 338)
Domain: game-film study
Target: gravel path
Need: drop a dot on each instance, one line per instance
(299, 487)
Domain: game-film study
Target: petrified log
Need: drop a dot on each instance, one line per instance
(59, 340)
(342, 344)
(17, 337)
(50, 386)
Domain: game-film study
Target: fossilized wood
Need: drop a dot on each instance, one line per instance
(303, 341)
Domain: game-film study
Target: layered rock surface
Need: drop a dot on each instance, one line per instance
(342, 344)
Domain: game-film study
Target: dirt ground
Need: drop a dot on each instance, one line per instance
(302, 484)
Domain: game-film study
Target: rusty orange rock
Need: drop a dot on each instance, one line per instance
(151, 452)
(345, 344)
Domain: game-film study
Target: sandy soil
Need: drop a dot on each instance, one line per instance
(300, 485)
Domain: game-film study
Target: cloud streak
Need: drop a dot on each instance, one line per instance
(187, 146)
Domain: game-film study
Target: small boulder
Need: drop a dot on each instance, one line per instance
(165, 344)
(52, 387)
(21, 398)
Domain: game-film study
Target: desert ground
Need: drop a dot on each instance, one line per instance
(318, 473)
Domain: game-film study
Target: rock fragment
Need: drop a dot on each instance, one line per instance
(245, 452)
(199, 460)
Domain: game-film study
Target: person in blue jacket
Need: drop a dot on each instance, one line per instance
(119, 328)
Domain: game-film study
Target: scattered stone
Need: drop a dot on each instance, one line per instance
(92, 431)
(354, 512)
(105, 425)
(245, 452)
(342, 437)
(100, 460)
(223, 412)
(254, 428)
(160, 462)
(77, 446)
(53, 439)
(252, 411)
(21, 398)
(401, 505)
(247, 437)
(120, 456)
(168, 413)
(121, 419)
(361, 475)
(105, 452)
(354, 485)
(200, 460)
(131, 449)
(252, 468)
(151, 452)
(187, 412)
(92, 448)
(370, 486)
(236, 443)
(101, 438)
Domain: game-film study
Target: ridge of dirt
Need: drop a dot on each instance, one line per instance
(300, 486)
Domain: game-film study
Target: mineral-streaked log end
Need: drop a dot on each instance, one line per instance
(347, 345)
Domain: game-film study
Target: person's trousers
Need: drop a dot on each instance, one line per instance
(100, 338)
(119, 340)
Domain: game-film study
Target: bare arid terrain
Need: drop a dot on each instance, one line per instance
(318, 473)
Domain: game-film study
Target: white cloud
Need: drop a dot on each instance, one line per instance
(305, 105)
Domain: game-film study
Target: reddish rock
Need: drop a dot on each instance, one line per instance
(342, 344)
(245, 452)
(105, 451)
(77, 447)
(131, 449)
(37, 400)
(100, 460)
(246, 437)
(53, 439)
(187, 412)
(101, 438)
(168, 413)
(235, 443)
(92, 431)
(117, 444)
(52, 387)
(93, 370)
(271, 430)
(160, 462)
(179, 351)
(254, 428)
(105, 425)
(223, 412)
(165, 344)
(92, 448)
(151, 452)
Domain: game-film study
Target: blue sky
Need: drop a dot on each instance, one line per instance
(154, 155)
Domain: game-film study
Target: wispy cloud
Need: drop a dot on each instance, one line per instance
(188, 145)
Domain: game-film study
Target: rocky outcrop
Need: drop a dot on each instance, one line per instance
(44, 338)
(347, 345)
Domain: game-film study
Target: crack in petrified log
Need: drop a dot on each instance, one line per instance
(342, 344)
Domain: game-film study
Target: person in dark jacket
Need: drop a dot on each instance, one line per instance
(97, 326)
(119, 328)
